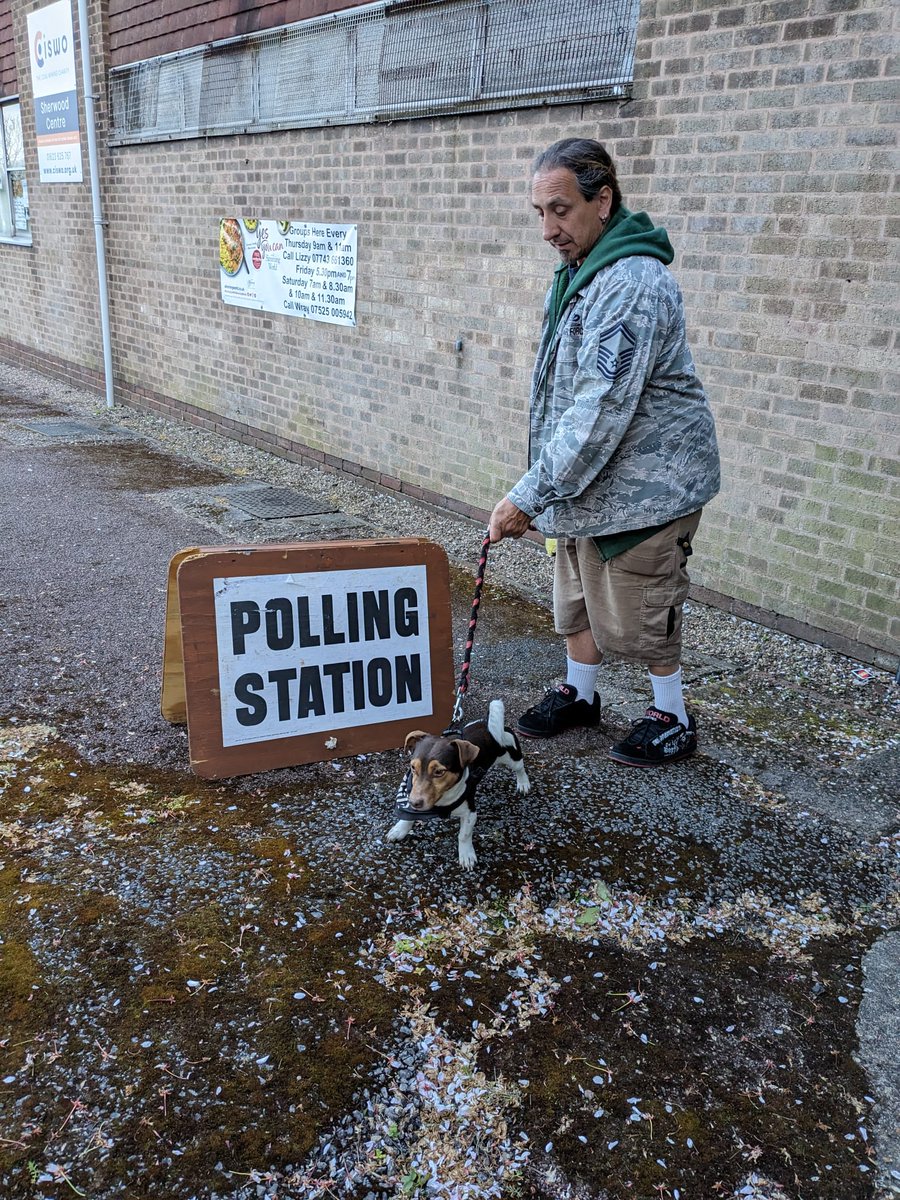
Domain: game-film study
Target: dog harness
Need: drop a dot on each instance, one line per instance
(440, 812)
(472, 776)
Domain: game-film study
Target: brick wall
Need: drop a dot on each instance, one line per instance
(47, 290)
(9, 83)
(761, 135)
(139, 30)
(766, 135)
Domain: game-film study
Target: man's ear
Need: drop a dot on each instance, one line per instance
(468, 751)
(413, 738)
(604, 199)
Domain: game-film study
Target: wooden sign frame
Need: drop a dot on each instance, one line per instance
(173, 703)
(193, 667)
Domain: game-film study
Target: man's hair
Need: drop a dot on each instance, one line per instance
(588, 161)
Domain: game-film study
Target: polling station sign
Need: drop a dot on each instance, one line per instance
(309, 652)
(51, 47)
(319, 650)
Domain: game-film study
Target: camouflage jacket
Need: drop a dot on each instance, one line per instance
(621, 432)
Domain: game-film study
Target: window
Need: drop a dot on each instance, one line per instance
(14, 222)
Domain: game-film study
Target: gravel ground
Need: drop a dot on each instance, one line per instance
(674, 987)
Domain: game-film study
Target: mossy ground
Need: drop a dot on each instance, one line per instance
(196, 991)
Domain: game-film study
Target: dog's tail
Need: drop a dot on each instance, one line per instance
(497, 725)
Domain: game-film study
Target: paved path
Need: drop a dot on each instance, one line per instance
(686, 981)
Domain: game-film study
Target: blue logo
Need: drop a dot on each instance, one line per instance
(615, 350)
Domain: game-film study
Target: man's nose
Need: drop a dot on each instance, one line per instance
(550, 227)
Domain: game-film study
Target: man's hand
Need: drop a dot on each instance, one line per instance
(508, 521)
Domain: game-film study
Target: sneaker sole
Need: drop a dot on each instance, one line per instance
(643, 762)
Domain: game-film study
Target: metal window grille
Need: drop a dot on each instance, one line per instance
(381, 62)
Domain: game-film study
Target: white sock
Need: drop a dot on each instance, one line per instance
(582, 677)
(668, 696)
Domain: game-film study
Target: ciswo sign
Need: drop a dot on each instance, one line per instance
(284, 655)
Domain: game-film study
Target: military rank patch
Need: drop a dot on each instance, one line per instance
(615, 350)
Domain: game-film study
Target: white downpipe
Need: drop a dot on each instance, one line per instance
(99, 223)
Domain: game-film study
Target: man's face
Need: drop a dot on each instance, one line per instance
(571, 224)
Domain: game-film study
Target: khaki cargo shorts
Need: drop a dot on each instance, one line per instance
(632, 604)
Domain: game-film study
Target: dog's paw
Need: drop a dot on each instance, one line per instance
(467, 858)
(398, 832)
(523, 784)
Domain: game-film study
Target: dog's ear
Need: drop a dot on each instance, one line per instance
(413, 738)
(468, 752)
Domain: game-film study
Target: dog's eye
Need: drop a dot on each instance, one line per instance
(438, 772)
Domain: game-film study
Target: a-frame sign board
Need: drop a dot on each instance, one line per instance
(288, 654)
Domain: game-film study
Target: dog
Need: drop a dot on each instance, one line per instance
(444, 774)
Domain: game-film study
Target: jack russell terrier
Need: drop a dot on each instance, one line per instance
(444, 774)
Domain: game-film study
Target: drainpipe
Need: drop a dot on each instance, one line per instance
(99, 223)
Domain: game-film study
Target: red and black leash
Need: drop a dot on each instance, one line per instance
(463, 686)
(408, 814)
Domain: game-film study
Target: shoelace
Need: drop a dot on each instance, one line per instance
(643, 732)
(553, 697)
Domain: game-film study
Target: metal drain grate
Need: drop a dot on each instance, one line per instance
(63, 428)
(271, 502)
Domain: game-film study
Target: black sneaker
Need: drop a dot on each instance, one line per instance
(657, 738)
(559, 710)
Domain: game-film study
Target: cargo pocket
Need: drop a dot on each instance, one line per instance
(661, 618)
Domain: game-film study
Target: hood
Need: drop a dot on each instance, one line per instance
(627, 234)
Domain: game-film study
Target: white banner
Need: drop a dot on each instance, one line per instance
(51, 51)
(289, 267)
(321, 651)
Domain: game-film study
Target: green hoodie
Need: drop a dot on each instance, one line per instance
(627, 234)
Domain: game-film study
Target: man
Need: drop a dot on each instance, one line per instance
(622, 449)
